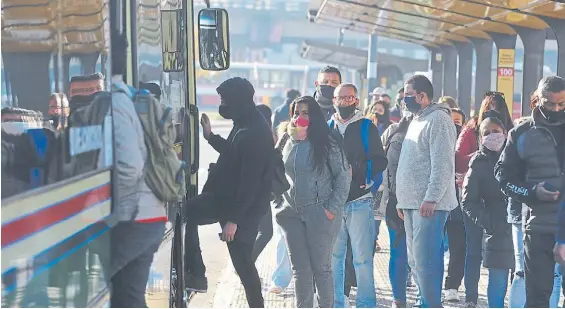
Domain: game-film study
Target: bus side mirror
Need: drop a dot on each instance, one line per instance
(213, 39)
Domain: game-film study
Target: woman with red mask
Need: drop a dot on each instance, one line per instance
(319, 176)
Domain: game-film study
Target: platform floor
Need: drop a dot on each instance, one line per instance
(230, 293)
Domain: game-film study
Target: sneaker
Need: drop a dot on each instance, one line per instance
(196, 284)
(275, 289)
(451, 295)
(398, 304)
(377, 247)
(470, 305)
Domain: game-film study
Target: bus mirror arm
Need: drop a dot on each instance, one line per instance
(193, 109)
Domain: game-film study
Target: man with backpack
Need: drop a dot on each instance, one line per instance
(238, 189)
(364, 151)
(141, 215)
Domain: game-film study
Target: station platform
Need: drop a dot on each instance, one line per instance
(230, 293)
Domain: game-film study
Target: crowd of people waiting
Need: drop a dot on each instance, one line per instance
(485, 190)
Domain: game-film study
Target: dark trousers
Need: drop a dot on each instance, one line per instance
(456, 268)
(473, 259)
(539, 269)
(264, 235)
(132, 248)
(202, 210)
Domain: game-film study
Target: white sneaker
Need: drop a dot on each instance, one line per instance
(275, 289)
(451, 295)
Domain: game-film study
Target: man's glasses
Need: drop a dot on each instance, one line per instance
(345, 98)
(493, 94)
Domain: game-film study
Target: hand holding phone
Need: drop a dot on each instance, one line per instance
(547, 192)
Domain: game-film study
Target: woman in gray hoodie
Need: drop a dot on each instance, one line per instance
(319, 176)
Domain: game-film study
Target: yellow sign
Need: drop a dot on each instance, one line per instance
(505, 76)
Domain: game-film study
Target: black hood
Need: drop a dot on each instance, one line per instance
(238, 94)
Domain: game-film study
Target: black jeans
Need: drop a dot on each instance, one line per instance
(202, 210)
(538, 268)
(456, 268)
(133, 246)
(264, 235)
(473, 259)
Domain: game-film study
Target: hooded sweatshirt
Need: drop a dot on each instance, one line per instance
(426, 168)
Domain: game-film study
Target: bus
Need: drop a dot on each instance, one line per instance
(57, 177)
(270, 81)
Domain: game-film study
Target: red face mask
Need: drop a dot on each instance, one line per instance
(301, 122)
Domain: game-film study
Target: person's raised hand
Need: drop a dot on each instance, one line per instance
(206, 126)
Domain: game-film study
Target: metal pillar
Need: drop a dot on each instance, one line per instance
(436, 67)
(372, 81)
(483, 48)
(558, 27)
(465, 75)
(534, 45)
(449, 70)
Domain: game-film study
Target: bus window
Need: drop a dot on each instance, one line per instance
(56, 168)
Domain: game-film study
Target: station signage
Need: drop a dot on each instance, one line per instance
(505, 75)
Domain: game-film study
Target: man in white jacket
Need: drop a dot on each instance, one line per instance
(424, 186)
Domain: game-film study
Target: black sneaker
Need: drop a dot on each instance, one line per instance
(196, 284)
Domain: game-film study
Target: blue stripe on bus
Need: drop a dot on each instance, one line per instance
(65, 248)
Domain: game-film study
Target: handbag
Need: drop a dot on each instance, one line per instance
(280, 184)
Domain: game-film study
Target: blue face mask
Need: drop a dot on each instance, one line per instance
(411, 104)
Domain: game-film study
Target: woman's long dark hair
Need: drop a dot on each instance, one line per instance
(386, 123)
(319, 133)
(499, 105)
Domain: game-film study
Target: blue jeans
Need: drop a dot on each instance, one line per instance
(517, 295)
(398, 266)
(358, 223)
(497, 286)
(424, 244)
(283, 272)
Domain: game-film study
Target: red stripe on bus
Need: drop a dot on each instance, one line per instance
(28, 225)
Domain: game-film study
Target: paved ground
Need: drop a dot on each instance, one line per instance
(233, 296)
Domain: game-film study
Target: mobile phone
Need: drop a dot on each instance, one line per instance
(220, 236)
(550, 187)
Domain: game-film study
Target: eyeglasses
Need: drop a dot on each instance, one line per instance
(493, 93)
(346, 98)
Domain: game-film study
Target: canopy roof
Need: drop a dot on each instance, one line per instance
(335, 54)
(436, 22)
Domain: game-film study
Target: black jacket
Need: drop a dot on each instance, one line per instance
(485, 204)
(238, 181)
(531, 156)
(357, 157)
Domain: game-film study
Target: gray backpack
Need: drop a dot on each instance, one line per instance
(164, 171)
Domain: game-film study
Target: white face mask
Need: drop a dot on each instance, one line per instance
(406, 113)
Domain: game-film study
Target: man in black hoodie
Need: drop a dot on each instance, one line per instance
(237, 192)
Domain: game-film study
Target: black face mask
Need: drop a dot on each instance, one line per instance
(324, 95)
(553, 116)
(345, 112)
(225, 111)
(381, 118)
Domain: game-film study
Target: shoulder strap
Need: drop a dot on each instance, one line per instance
(282, 142)
(365, 126)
